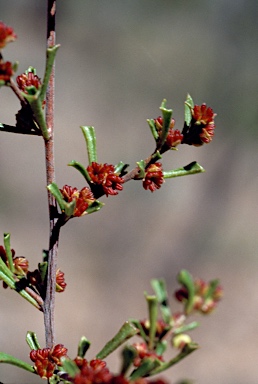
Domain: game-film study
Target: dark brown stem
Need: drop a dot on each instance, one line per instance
(49, 303)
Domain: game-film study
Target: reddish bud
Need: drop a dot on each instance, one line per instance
(7, 35)
(153, 177)
(60, 281)
(46, 359)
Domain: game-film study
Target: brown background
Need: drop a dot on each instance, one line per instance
(118, 60)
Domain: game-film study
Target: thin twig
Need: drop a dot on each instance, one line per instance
(49, 303)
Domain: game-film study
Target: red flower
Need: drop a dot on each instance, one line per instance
(28, 79)
(6, 71)
(203, 114)
(93, 372)
(6, 35)
(153, 177)
(174, 138)
(21, 265)
(83, 198)
(104, 175)
(46, 359)
(201, 128)
(60, 281)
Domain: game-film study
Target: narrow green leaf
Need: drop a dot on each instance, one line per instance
(43, 270)
(32, 340)
(69, 366)
(7, 279)
(54, 189)
(212, 288)
(189, 104)
(166, 114)
(141, 164)
(186, 328)
(138, 325)
(127, 331)
(120, 168)
(90, 138)
(128, 355)
(145, 368)
(152, 302)
(81, 169)
(8, 251)
(160, 289)
(83, 346)
(189, 348)
(50, 59)
(189, 169)
(161, 347)
(94, 207)
(8, 359)
(36, 106)
(186, 279)
(153, 128)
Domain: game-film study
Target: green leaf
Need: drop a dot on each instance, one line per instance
(69, 366)
(167, 115)
(8, 359)
(128, 355)
(145, 368)
(90, 138)
(32, 340)
(189, 104)
(212, 288)
(120, 168)
(189, 348)
(54, 189)
(43, 270)
(161, 347)
(160, 289)
(8, 251)
(153, 128)
(50, 59)
(186, 328)
(189, 169)
(127, 331)
(186, 279)
(141, 164)
(152, 302)
(83, 347)
(81, 169)
(94, 207)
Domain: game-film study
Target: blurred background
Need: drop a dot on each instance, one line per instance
(117, 61)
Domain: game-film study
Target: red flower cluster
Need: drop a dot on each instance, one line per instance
(153, 177)
(96, 372)
(6, 35)
(201, 128)
(46, 359)
(174, 137)
(104, 175)
(92, 372)
(6, 71)
(83, 198)
(203, 302)
(28, 79)
(143, 352)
